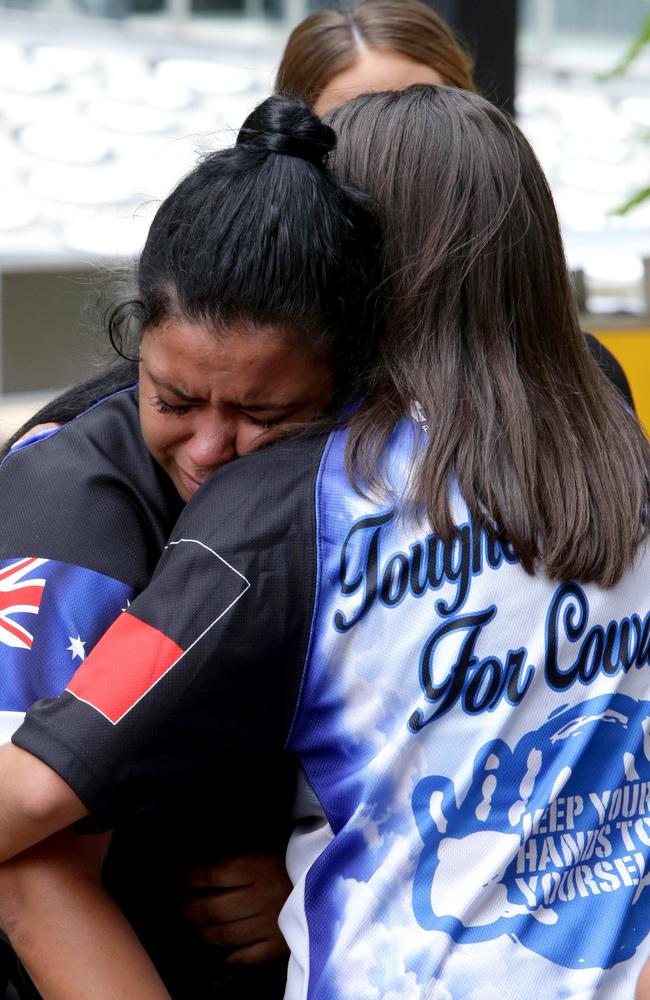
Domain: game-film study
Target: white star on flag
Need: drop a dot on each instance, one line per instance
(76, 647)
(128, 605)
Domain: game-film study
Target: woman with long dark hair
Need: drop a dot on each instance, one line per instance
(440, 607)
(518, 412)
(241, 318)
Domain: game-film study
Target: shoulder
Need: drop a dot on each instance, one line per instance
(72, 495)
(260, 495)
(109, 421)
(237, 581)
(610, 367)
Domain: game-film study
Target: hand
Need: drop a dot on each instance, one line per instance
(235, 904)
(38, 429)
(643, 984)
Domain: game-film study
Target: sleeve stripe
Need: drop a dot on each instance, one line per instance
(134, 655)
(123, 667)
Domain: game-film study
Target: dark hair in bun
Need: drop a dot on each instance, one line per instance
(256, 239)
(288, 128)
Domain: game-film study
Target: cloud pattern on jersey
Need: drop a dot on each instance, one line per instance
(471, 852)
(401, 885)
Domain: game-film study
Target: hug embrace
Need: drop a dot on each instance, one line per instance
(406, 628)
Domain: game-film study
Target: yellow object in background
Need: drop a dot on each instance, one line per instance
(631, 347)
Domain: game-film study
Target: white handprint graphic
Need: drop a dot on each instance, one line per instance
(549, 838)
(479, 895)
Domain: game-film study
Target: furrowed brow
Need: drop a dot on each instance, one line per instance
(160, 384)
(262, 407)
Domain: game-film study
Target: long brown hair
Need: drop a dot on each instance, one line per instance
(482, 332)
(330, 41)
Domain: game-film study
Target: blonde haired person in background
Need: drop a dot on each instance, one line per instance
(332, 56)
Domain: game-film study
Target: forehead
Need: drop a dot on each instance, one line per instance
(239, 361)
(374, 70)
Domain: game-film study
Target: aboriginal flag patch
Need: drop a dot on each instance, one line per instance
(150, 639)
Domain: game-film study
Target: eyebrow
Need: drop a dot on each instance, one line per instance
(257, 407)
(174, 389)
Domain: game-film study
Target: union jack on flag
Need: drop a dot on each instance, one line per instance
(18, 596)
(70, 605)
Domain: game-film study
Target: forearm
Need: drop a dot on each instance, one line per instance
(643, 985)
(34, 801)
(70, 936)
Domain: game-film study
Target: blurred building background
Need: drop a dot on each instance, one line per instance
(104, 104)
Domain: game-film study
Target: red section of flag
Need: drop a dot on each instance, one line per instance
(124, 665)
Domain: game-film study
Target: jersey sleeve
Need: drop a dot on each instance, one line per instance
(206, 663)
(51, 615)
(64, 577)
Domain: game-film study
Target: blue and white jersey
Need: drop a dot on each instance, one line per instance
(476, 740)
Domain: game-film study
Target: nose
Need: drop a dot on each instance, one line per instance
(211, 445)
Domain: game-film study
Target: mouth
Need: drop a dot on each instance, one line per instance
(189, 483)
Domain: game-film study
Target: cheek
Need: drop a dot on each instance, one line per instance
(160, 433)
(248, 437)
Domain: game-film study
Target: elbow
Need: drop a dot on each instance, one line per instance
(34, 800)
(46, 801)
(45, 798)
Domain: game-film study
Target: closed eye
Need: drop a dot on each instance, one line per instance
(168, 408)
(265, 423)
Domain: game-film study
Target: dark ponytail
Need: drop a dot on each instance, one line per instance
(482, 333)
(290, 129)
(262, 235)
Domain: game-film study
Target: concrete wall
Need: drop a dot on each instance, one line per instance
(50, 328)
